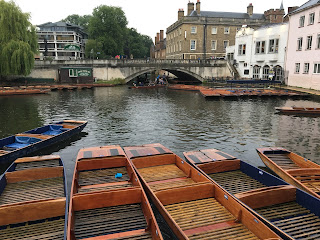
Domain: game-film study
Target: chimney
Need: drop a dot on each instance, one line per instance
(180, 13)
(250, 9)
(161, 35)
(291, 9)
(198, 7)
(155, 41)
(190, 7)
(158, 38)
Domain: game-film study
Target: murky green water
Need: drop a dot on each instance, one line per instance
(181, 121)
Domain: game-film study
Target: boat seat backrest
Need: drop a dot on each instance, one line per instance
(26, 140)
(55, 127)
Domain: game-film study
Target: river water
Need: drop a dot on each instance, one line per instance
(180, 120)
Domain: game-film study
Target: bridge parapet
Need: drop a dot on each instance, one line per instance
(132, 62)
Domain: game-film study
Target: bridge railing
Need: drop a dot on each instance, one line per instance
(124, 62)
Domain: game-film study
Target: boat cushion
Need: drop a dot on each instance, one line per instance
(54, 130)
(22, 141)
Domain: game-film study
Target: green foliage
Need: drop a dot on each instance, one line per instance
(92, 48)
(82, 21)
(136, 44)
(18, 40)
(108, 26)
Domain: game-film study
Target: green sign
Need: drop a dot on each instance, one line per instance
(72, 47)
(83, 73)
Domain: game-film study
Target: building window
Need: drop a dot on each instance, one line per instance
(311, 18)
(192, 44)
(72, 73)
(225, 44)
(193, 30)
(316, 68)
(301, 21)
(242, 49)
(179, 31)
(273, 45)
(214, 30)
(299, 44)
(297, 70)
(213, 45)
(265, 72)
(309, 42)
(318, 41)
(245, 64)
(260, 47)
(306, 68)
(256, 72)
(180, 46)
(226, 30)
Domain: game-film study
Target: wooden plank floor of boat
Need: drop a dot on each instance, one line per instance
(32, 190)
(283, 161)
(236, 181)
(110, 220)
(47, 229)
(37, 164)
(103, 176)
(165, 176)
(207, 219)
(294, 219)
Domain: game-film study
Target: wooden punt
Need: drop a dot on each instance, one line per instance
(292, 213)
(299, 110)
(292, 168)
(33, 199)
(96, 169)
(107, 200)
(23, 144)
(196, 208)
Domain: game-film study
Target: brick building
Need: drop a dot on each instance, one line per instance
(206, 34)
(160, 46)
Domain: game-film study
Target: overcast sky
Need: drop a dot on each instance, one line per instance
(147, 16)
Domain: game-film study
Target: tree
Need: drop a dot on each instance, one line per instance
(136, 44)
(108, 25)
(94, 49)
(18, 40)
(82, 21)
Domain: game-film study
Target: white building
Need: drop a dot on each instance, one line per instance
(259, 52)
(61, 41)
(303, 54)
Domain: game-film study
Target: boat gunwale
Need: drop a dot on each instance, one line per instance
(283, 173)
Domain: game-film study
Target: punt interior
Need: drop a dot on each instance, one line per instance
(102, 168)
(196, 208)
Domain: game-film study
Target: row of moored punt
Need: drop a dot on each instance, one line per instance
(210, 195)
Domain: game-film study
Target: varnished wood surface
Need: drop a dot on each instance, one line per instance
(283, 161)
(37, 164)
(52, 229)
(108, 220)
(49, 188)
(294, 219)
(162, 172)
(102, 176)
(236, 181)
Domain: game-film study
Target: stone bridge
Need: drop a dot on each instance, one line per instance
(128, 69)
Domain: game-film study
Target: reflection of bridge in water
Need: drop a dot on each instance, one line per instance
(193, 70)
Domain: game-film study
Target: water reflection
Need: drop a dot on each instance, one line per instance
(179, 120)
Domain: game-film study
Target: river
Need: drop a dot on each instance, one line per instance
(180, 120)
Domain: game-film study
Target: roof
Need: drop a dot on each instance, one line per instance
(306, 5)
(228, 15)
(58, 24)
